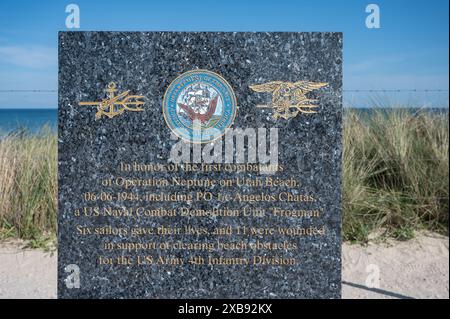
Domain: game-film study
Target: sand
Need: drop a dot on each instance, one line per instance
(418, 268)
(26, 273)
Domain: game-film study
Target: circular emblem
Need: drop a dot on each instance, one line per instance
(199, 105)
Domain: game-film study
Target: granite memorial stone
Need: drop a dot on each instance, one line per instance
(199, 165)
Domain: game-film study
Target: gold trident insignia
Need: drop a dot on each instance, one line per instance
(289, 99)
(115, 105)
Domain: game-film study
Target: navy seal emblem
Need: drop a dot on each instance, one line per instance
(199, 106)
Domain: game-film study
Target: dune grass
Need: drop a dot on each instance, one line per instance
(28, 186)
(395, 174)
(395, 178)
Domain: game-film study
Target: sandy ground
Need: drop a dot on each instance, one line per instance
(26, 273)
(418, 268)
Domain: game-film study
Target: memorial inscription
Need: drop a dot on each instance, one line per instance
(199, 165)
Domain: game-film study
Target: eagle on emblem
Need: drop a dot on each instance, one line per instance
(203, 117)
(199, 103)
(289, 98)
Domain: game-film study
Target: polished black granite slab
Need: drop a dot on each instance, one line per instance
(92, 149)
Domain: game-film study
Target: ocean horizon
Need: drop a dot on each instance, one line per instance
(32, 120)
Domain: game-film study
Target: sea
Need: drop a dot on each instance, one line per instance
(33, 120)
(27, 120)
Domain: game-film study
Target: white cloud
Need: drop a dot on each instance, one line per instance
(35, 57)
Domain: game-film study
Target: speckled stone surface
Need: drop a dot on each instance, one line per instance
(90, 150)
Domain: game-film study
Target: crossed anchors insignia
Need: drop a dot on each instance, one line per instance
(115, 105)
(289, 99)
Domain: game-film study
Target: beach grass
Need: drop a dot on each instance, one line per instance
(395, 174)
(395, 178)
(28, 186)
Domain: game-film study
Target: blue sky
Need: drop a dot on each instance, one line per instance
(409, 51)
